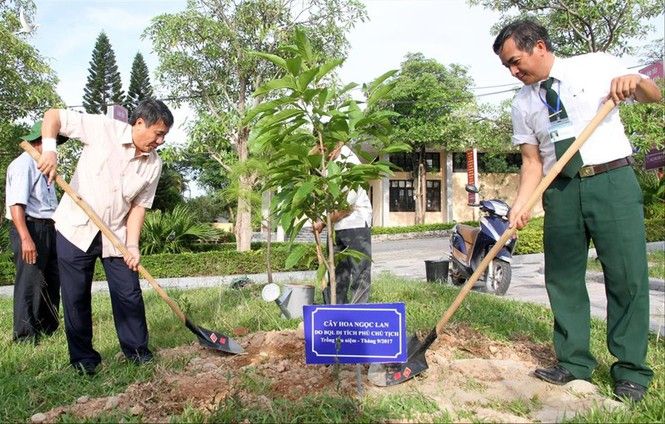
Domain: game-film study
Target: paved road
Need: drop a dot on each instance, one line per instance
(406, 258)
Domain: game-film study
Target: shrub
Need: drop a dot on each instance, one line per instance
(5, 245)
(655, 228)
(530, 238)
(173, 232)
(226, 261)
(413, 228)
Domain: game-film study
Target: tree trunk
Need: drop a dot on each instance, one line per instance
(243, 228)
(420, 189)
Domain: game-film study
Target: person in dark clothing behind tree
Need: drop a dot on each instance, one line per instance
(30, 203)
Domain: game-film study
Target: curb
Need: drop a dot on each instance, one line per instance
(656, 284)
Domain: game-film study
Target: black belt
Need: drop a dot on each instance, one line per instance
(591, 170)
(48, 221)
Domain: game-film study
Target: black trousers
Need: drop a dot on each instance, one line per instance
(353, 277)
(37, 286)
(76, 272)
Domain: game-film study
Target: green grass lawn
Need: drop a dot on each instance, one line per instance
(655, 259)
(36, 379)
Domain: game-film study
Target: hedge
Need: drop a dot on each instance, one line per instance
(530, 238)
(412, 228)
(219, 262)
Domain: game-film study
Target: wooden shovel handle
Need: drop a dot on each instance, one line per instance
(605, 109)
(106, 231)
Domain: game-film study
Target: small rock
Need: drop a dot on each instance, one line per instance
(611, 404)
(83, 399)
(263, 354)
(111, 403)
(281, 367)
(209, 366)
(38, 418)
(136, 410)
(581, 387)
(240, 331)
(300, 331)
(493, 349)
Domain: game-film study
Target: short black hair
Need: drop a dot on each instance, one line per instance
(152, 111)
(526, 33)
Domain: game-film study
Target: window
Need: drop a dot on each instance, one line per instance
(405, 161)
(433, 196)
(402, 192)
(401, 196)
(432, 161)
(490, 162)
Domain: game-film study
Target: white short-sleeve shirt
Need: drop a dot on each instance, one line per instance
(583, 83)
(358, 200)
(109, 176)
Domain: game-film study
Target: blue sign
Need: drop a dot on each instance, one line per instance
(354, 334)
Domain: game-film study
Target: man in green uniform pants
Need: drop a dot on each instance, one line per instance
(596, 197)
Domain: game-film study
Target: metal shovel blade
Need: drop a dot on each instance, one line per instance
(396, 373)
(215, 340)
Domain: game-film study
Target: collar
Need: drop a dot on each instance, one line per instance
(125, 138)
(557, 71)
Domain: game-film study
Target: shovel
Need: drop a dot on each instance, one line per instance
(396, 373)
(208, 338)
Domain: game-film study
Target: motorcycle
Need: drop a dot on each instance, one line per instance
(470, 244)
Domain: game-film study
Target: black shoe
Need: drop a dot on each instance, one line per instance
(627, 390)
(84, 368)
(141, 359)
(556, 375)
(32, 339)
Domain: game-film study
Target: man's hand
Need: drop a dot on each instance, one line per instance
(518, 220)
(28, 251)
(48, 165)
(624, 87)
(134, 259)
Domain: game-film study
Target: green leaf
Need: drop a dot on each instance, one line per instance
(378, 94)
(378, 81)
(304, 46)
(281, 116)
(271, 57)
(305, 78)
(303, 192)
(296, 255)
(320, 272)
(294, 64)
(327, 67)
(276, 84)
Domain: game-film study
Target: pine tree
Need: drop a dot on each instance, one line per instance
(139, 83)
(104, 85)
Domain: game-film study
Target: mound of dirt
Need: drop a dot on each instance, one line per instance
(469, 375)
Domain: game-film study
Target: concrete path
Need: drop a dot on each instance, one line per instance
(406, 258)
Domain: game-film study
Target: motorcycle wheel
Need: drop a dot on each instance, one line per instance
(455, 275)
(500, 280)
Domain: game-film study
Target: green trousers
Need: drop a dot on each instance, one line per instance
(605, 208)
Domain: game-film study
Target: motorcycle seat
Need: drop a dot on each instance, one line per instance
(468, 233)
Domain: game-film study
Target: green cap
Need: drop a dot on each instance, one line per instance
(36, 134)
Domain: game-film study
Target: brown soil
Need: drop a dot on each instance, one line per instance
(470, 376)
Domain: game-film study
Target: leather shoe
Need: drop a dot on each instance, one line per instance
(141, 359)
(556, 375)
(85, 368)
(627, 390)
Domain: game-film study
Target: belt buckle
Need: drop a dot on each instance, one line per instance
(587, 171)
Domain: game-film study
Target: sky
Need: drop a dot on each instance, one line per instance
(449, 31)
